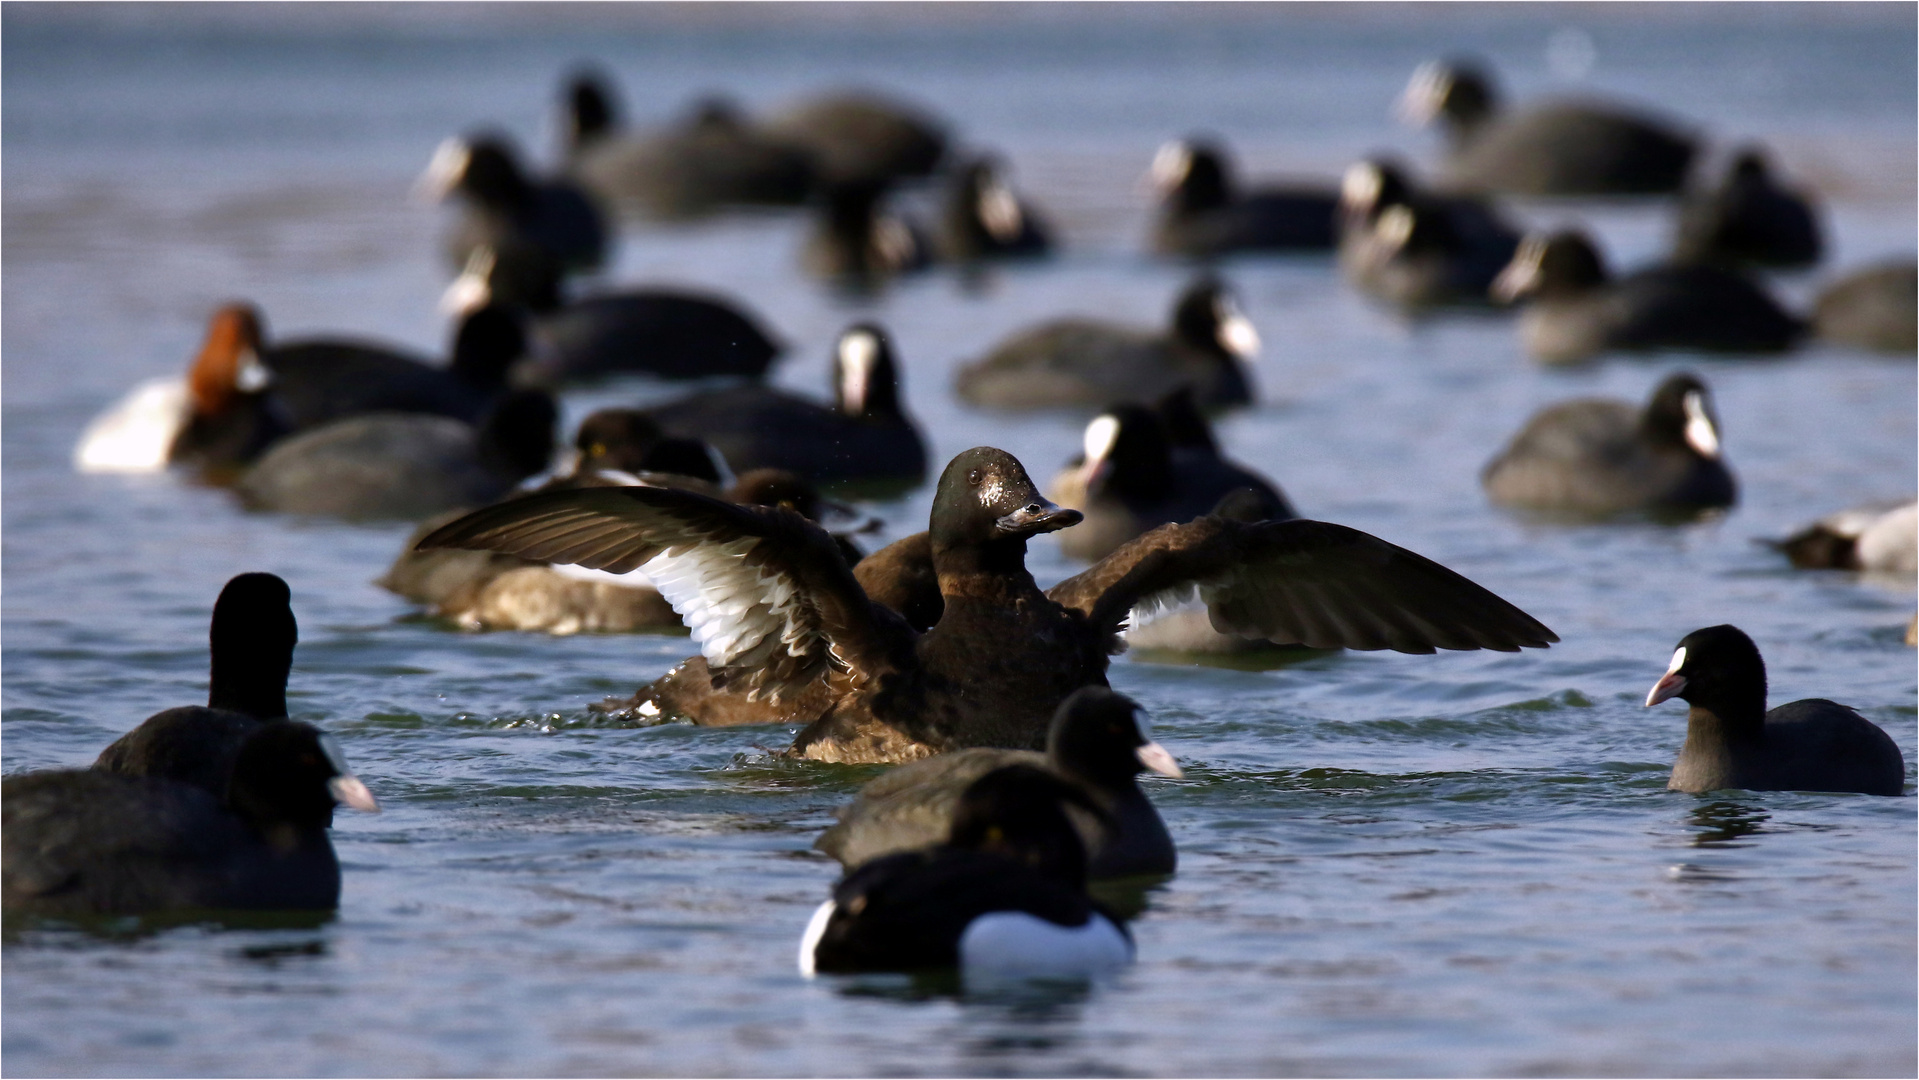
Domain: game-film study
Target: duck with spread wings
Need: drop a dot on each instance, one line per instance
(777, 611)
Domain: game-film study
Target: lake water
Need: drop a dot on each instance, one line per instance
(1465, 864)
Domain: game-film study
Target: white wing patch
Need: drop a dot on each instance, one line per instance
(739, 612)
(136, 433)
(1015, 945)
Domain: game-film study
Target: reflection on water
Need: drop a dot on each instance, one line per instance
(1722, 823)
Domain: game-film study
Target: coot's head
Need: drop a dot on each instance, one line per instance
(1562, 264)
(514, 274)
(616, 439)
(865, 376)
(1717, 669)
(1102, 736)
(1369, 186)
(1680, 413)
(985, 496)
(289, 773)
(252, 639)
(981, 193)
(1191, 175)
(482, 167)
(1019, 812)
(1458, 92)
(1207, 317)
(1127, 454)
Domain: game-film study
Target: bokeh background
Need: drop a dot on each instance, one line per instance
(1455, 865)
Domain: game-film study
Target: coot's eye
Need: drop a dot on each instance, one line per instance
(973, 477)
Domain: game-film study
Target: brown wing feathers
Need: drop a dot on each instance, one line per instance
(1303, 582)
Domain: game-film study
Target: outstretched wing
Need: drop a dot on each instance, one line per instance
(765, 591)
(1300, 582)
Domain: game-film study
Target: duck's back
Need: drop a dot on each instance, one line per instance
(88, 842)
(1569, 148)
(1820, 745)
(319, 382)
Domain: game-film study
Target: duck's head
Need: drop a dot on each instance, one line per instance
(289, 773)
(1019, 812)
(229, 365)
(1103, 736)
(985, 497)
(616, 439)
(1717, 669)
(1560, 264)
(252, 640)
(1207, 317)
(1680, 413)
(865, 376)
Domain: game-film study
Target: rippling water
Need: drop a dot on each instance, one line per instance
(1462, 864)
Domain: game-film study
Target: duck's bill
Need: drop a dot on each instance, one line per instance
(1669, 685)
(1155, 757)
(349, 791)
(1038, 517)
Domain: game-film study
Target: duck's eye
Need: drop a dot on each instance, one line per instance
(974, 476)
(1032, 508)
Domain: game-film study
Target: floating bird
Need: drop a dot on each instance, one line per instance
(1576, 311)
(90, 842)
(1003, 897)
(981, 218)
(863, 436)
(505, 208)
(1079, 362)
(1418, 249)
(1733, 741)
(244, 392)
(251, 641)
(1599, 457)
(861, 137)
(1130, 480)
(711, 160)
(1875, 307)
(1747, 218)
(777, 610)
(1559, 148)
(403, 465)
(1203, 212)
(668, 333)
(1882, 536)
